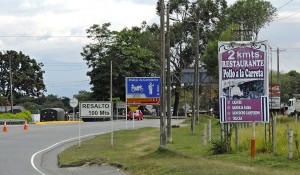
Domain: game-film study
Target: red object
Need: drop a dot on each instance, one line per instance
(137, 115)
(4, 128)
(25, 125)
(253, 149)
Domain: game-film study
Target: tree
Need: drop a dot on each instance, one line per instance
(252, 14)
(53, 101)
(189, 16)
(35, 105)
(285, 88)
(294, 83)
(289, 83)
(210, 55)
(27, 75)
(128, 50)
(84, 96)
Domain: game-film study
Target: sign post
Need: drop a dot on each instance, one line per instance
(94, 109)
(142, 91)
(133, 109)
(243, 83)
(274, 91)
(74, 104)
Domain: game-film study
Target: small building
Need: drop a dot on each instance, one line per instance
(52, 114)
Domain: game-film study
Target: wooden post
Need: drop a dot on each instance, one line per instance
(290, 135)
(209, 131)
(274, 134)
(203, 137)
(236, 135)
(163, 134)
(253, 149)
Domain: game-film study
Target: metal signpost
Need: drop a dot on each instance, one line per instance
(94, 109)
(142, 91)
(74, 104)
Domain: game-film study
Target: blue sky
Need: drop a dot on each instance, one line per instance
(55, 31)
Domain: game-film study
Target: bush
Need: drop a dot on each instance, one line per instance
(26, 115)
(221, 147)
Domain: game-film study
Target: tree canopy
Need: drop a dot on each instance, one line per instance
(27, 75)
(252, 14)
(187, 20)
(133, 52)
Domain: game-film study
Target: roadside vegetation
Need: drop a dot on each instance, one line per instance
(21, 115)
(136, 151)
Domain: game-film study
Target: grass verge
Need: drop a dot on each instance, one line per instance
(137, 152)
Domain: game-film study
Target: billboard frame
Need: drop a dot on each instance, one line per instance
(243, 81)
(98, 109)
(142, 91)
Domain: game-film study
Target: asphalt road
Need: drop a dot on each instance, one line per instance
(25, 151)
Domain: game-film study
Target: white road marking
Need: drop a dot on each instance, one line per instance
(58, 143)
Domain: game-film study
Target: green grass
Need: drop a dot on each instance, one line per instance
(137, 152)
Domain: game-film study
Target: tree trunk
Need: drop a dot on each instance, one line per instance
(176, 101)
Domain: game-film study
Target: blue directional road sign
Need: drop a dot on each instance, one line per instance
(143, 90)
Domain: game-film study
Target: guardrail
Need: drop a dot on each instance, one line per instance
(12, 121)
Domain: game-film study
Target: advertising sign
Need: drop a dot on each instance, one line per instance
(243, 82)
(95, 109)
(274, 94)
(143, 90)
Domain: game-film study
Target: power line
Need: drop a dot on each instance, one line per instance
(288, 16)
(44, 36)
(65, 63)
(67, 83)
(63, 70)
(284, 4)
(293, 49)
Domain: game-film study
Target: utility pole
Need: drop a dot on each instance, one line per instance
(10, 82)
(274, 117)
(169, 120)
(242, 31)
(162, 76)
(278, 51)
(111, 103)
(197, 73)
(195, 106)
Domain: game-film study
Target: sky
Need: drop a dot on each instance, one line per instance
(53, 32)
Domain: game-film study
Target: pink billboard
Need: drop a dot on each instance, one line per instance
(243, 82)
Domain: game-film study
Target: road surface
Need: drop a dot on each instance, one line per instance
(25, 151)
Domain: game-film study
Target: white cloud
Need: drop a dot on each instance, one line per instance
(41, 19)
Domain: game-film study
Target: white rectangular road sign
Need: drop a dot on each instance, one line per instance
(95, 109)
